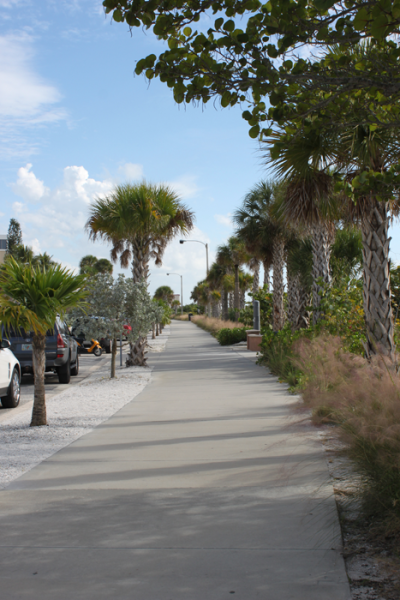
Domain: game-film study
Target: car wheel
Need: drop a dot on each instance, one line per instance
(75, 368)
(64, 372)
(14, 392)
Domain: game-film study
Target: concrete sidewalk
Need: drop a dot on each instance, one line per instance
(202, 487)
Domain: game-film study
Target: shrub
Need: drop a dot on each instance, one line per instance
(266, 309)
(226, 336)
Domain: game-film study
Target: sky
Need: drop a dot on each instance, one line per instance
(75, 121)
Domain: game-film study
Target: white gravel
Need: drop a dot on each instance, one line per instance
(71, 414)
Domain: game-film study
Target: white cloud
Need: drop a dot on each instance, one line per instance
(185, 186)
(225, 220)
(131, 171)
(25, 98)
(35, 245)
(54, 219)
(28, 186)
(8, 3)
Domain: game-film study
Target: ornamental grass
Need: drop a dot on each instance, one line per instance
(213, 325)
(363, 399)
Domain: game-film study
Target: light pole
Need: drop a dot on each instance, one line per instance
(206, 246)
(181, 289)
(198, 242)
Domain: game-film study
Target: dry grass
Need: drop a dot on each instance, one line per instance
(363, 399)
(213, 325)
(183, 317)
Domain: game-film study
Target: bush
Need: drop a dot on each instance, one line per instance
(266, 309)
(226, 336)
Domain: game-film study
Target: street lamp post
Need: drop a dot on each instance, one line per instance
(181, 289)
(206, 246)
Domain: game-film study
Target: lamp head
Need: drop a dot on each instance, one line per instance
(181, 241)
(167, 273)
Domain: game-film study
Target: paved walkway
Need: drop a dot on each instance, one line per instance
(202, 487)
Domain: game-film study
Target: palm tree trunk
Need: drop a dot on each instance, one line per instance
(292, 298)
(278, 261)
(236, 294)
(298, 301)
(256, 280)
(113, 356)
(153, 331)
(242, 299)
(376, 285)
(267, 266)
(140, 272)
(321, 251)
(230, 296)
(157, 332)
(137, 356)
(141, 258)
(224, 296)
(39, 416)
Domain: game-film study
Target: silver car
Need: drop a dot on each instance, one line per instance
(10, 376)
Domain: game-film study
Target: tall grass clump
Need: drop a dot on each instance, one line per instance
(214, 325)
(363, 399)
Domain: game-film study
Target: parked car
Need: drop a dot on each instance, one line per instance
(10, 376)
(61, 351)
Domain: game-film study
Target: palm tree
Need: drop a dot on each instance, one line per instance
(232, 255)
(254, 228)
(245, 283)
(30, 299)
(362, 150)
(308, 200)
(43, 261)
(165, 293)
(139, 220)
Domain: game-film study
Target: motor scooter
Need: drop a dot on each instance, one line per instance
(88, 346)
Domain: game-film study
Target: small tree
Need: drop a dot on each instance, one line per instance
(14, 237)
(107, 312)
(30, 299)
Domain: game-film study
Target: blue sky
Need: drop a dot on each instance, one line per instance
(74, 120)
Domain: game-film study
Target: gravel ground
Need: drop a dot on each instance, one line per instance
(71, 414)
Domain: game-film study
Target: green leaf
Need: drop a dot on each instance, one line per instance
(118, 16)
(187, 31)
(218, 23)
(324, 5)
(247, 115)
(361, 19)
(225, 100)
(254, 131)
(229, 25)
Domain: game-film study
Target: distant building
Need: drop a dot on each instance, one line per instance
(3, 247)
(177, 297)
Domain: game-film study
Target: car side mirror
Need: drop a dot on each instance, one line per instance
(5, 343)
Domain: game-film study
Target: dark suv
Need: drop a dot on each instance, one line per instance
(61, 351)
